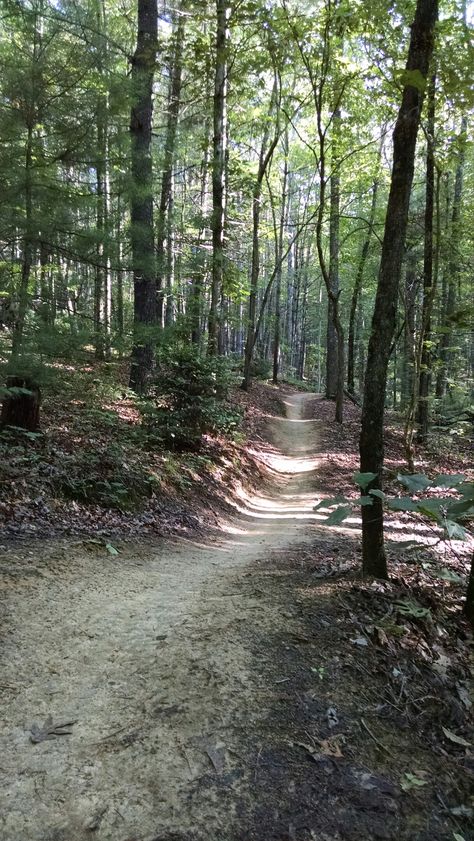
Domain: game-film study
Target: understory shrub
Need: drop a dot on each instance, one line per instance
(102, 478)
(189, 399)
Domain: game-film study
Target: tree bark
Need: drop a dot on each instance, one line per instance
(21, 408)
(174, 101)
(219, 144)
(428, 288)
(141, 212)
(409, 297)
(331, 332)
(278, 255)
(358, 285)
(445, 356)
(384, 318)
(265, 158)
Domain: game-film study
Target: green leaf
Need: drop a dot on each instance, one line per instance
(111, 549)
(364, 500)
(466, 490)
(447, 575)
(414, 78)
(328, 503)
(414, 482)
(444, 480)
(454, 530)
(402, 503)
(363, 479)
(458, 837)
(410, 781)
(409, 607)
(461, 508)
(377, 492)
(338, 515)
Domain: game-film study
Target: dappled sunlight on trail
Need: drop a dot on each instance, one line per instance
(292, 465)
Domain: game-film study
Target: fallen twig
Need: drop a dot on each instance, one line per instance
(377, 742)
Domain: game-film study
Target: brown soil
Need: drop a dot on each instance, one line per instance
(220, 690)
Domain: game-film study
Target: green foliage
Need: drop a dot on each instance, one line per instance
(189, 399)
(363, 479)
(415, 482)
(261, 368)
(101, 478)
(445, 511)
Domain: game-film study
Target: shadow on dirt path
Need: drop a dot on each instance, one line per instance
(202, 682)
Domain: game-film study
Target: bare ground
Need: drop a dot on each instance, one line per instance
(215, 688)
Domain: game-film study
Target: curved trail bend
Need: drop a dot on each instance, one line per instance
(144, 653)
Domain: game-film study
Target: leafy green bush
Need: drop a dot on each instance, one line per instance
(189, 399)
(261, 368)
(101, 478)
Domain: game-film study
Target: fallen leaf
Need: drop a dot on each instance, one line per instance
(362, 641)
(50, 730)
(464, 696)
(442, 664)
(410, 781)
(111, 549)
(332, 746)
(462, 811)
(331, 715)
(382, 636)
(217, 757)
(458, 740)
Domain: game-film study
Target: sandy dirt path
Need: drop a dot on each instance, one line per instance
(142, 652)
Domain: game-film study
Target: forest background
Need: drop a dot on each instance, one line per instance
(204, 190)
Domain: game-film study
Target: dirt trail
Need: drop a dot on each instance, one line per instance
(143, 652)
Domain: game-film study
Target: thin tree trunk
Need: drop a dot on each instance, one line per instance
(384, 318)
(279, 252)
(265, 158)
(358, 283)
(331, 333)
(27, 248)
(174, 102)
(409, 297)
(428, 290)
(141, 213)
(99, 278)
(445, 355)
(218, 171)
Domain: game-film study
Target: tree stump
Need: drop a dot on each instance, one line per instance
(21, 409)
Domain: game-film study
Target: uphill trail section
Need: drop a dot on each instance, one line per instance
(182, 691)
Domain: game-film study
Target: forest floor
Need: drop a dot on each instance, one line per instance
(239, 685)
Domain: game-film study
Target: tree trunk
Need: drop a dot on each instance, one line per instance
(445, 355)
(428, 287)
(28, 246)
(21, 409)
(99, 278)
(358, 285)
(174, 101)
(218, 172)
(384, 318)
(141, 212)
(279, 252)
(332, 344)
(408, 370)
(265, 158)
